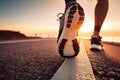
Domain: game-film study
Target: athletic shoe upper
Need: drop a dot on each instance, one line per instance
(96, 43)
(73, 16)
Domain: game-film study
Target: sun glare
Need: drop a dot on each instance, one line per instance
(87, 26)
(106, 26)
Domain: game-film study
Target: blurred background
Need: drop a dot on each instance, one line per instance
(38, 18)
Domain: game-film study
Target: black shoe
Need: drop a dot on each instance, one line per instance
(96, 43)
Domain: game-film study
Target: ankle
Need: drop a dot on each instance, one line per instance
(96, 33)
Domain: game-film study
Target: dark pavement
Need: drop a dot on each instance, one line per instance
(105, 63)
(39, 60)
(32, 60)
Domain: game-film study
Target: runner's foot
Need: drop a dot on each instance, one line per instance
(70, 23)
(96, 43)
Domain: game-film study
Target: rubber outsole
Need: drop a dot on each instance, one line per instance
(75, 46)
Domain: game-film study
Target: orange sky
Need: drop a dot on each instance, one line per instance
(40, 17)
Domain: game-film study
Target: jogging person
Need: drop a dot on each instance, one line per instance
(71, 21)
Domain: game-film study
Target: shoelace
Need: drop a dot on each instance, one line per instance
(59, 16)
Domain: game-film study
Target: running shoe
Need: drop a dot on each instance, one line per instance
(96, 43)
(70, 23)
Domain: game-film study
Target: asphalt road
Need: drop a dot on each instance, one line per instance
(39, 60)
(105, 63)
(29, 60)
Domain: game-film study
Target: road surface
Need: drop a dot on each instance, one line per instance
(105, 63)
(29, 60)
(39, 60)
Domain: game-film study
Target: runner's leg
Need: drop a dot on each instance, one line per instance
(101, 10)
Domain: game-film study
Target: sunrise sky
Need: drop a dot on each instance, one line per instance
(39, 16)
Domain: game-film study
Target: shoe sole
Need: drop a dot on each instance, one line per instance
(68, 44)
(95, 47)
(69, 48)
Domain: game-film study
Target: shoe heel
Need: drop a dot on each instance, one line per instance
(61, 46)
(76, 46)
